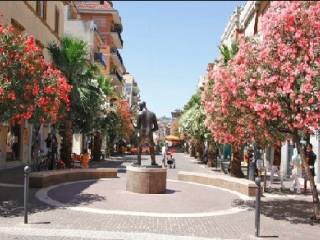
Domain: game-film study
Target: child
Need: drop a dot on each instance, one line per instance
(85, 158)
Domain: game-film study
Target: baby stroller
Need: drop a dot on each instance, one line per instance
(171, 162)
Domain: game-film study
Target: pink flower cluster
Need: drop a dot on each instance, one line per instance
(270, 88)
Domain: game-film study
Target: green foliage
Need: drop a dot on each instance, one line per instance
(70, 57)
(228, 53)
(105, 85)
(88, 86)
(194, 100)
(192, 121)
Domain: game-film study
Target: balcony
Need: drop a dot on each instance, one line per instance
(135, 91)
(117, 59)
(116, 35)
(115, 75)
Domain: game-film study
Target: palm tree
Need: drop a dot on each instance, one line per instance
(86, 96)
(228, 53)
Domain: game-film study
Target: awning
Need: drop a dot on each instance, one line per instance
(172, 138)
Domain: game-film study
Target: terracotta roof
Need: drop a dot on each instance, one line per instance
(94, 5)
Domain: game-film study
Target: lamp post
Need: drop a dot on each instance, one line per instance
(257, 212)
(27, 171)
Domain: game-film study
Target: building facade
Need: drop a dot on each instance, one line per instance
(132, 91)
(108, 23)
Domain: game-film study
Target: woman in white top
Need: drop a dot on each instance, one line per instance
(296, 171)
(164, 153)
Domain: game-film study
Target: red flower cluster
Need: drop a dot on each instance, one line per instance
(29, 88)
(125, 115)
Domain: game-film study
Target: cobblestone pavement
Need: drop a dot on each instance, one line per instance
(282, 217)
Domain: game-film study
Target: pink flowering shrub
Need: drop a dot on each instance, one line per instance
(289, 69)
(271, 88)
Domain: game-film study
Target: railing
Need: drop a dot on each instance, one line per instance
(115, 51)
(119, 76)
(115, 72)
(117, 29)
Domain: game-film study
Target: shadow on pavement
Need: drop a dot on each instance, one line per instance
(171, 191)
(11, 203)
(269, 236)
(11, 199)
(293, 211)
(71, 194)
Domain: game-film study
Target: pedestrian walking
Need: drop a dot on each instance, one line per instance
(275, 169)
(296, 165)
(164, 154)
(310, 160)
(52, 146)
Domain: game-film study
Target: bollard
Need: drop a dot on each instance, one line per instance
(258, 201)
(27, 171)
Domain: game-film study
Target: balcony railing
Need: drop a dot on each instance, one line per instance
(115, 72)
(115, 51)
(115, 28)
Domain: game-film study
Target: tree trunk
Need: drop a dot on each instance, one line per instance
(96, 148)
(235, 168)
(193, 149)
(212, 154)
(315, 197)
(199, 150)
(67, 142)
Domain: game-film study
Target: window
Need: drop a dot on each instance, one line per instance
(17, 26)
(41, 9)
(56, 20)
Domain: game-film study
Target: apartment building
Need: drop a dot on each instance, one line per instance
(108, 23)
(131, 91)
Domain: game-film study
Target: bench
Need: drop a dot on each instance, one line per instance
(240, 185)
(53, 177)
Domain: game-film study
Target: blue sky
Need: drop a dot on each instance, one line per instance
(168, 44)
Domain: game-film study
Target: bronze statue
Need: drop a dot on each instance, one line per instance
(146, 125)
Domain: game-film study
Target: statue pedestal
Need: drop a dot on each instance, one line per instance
(146, 180)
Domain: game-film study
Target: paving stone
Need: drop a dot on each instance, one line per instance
(282, 217)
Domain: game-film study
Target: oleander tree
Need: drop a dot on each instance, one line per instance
(270, 91)
(125, 117)
(224, 115)
(192, 124)
(290, 73)
(225, 102)
(30, 89)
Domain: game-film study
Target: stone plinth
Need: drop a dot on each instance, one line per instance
(48, 178)
(240, 185)
(146, 180)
